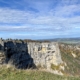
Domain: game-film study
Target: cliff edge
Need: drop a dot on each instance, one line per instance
(23, 55)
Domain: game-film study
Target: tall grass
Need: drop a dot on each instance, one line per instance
(14, 74)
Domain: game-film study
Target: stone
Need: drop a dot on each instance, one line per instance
(30, 54)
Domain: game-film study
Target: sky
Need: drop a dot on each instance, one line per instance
(39, 19)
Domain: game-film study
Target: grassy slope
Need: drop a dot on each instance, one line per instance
(13, 74)
(73, 64)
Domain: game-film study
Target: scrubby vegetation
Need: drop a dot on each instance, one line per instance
(73, 63)
(58, 67)
(54, 67)
(14, 74)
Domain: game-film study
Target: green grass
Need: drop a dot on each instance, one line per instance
(14, 74)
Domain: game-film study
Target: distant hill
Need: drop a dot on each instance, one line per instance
(64, 40)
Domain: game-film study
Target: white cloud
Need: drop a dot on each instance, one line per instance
(40, 34)
(69, 2)
(13, 16)
(59, 18)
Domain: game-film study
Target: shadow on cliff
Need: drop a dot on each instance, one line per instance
(17, 55)
(1, 48)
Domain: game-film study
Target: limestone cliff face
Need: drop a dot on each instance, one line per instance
(45, 54)
(28, 54)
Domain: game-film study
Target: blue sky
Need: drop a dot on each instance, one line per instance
(39, 19)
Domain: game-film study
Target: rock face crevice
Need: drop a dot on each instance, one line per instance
(29, 54)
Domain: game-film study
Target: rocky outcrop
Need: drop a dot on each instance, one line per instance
(45, 54)
(23, 54)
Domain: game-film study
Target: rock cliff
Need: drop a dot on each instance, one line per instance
(24, 55)
(58, 58)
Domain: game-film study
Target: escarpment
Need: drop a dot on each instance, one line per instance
(58, 58)
(24, 55)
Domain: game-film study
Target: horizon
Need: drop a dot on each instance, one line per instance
(38, 19)
(41, 39)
